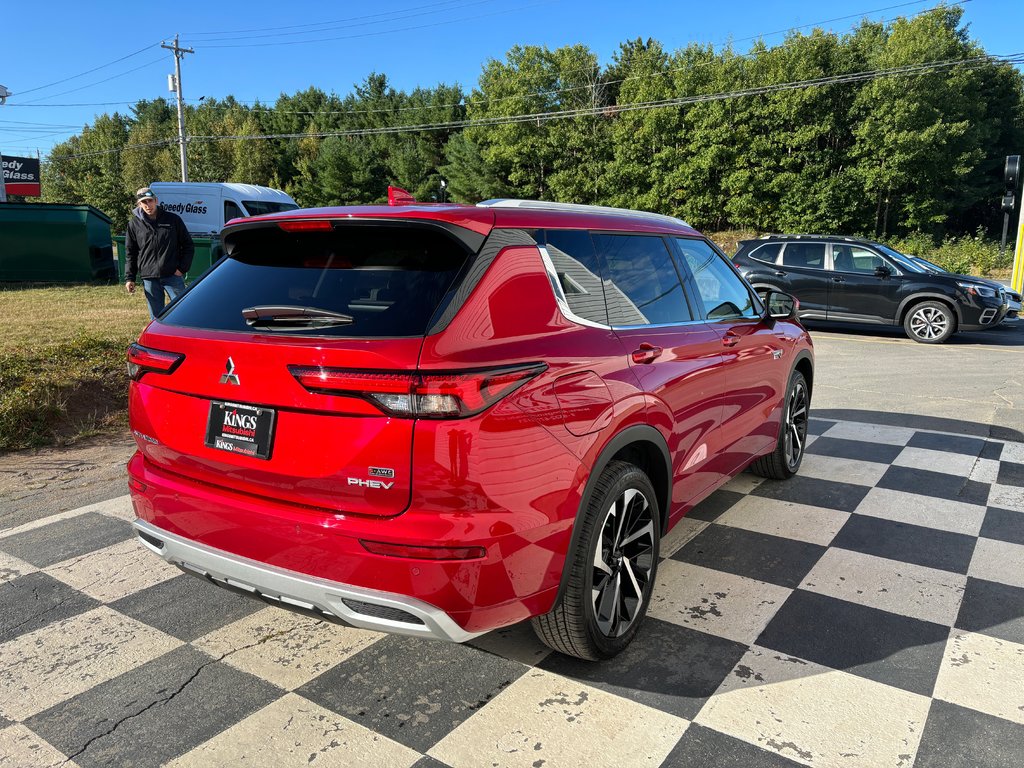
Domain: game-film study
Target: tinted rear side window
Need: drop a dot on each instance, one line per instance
(768, 252)
(643, 286)
(390, 280)
(804, 255)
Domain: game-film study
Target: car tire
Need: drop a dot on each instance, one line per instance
(929, 322)
(784, 462)
(612, 569)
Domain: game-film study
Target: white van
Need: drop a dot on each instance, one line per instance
(206, 207)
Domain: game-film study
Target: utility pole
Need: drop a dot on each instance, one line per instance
(4, 95)
(178, 53)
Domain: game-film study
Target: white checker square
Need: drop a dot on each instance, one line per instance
(113, 572)
(786, 519)
(21, 748)
(983, 673)
(926, 511)
(998, 561)
(294, 731)
(780, 704)
(846, 470)
(936, 461)
(286, 648)
(714, 602)
(902, 588)
(870, 433)
(549, 718)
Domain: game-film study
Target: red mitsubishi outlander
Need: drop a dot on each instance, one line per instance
(438, 420)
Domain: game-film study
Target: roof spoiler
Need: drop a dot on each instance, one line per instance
(399, 196)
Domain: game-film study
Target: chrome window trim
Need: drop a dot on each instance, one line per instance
(559, 294)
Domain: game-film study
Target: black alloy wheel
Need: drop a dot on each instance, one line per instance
(783, 462)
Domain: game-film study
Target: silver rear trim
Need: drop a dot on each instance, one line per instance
(309, 592)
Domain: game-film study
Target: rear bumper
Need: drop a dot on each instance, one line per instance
(360, 607)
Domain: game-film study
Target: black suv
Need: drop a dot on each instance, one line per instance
(849, 280)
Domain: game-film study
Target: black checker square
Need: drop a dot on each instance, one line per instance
(992, 451)
(169, 706)
(671, 668)
(970, 446)
(881, 646)
(936, 484)
(64, 539)
(702, 747)
(429, 762)
(906, 542)
(714, 506)
(758, 556)
(1011, 473)
(187, 607)
(410, 690)
(819, 426)
(35, 600)
(812, 491)
(857, 450)
(956, 736)
(1003, 525)
(994, 609)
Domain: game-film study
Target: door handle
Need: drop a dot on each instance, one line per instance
(780, 273)
(646, 353)
(838, 279)
(730, 339)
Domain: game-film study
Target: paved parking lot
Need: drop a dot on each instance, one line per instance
(868, 613)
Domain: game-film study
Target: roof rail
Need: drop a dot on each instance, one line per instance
(578, 208)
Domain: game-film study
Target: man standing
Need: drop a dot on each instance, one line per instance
(158, 249)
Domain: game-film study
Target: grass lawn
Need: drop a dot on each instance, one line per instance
(62, 361)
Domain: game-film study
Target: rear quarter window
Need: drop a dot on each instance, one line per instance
(389, 279)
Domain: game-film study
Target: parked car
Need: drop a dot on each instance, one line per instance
(1013, 299)
(438, 420)
(846, 279)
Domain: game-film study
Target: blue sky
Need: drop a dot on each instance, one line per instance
(283, 47)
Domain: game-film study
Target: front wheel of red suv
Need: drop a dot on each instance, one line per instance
(612, 569)
(784, 461)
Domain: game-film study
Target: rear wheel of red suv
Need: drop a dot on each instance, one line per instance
(612, 569)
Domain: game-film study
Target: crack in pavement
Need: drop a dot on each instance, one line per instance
(173, 695)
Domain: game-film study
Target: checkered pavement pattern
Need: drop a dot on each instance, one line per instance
(869, 612)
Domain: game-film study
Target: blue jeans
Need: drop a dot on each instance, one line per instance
(155, 287)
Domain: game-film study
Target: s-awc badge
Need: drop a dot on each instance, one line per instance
(244, 429)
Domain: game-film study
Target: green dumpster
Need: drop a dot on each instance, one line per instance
(54, 243)
(208, 251)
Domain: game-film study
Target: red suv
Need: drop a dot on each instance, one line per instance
(438, 420)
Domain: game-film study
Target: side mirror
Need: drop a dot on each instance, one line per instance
(882, 271)
(781, 306)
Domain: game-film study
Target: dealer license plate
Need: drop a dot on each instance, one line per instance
(243, 429)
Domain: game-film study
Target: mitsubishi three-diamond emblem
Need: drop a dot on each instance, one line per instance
(230, 377)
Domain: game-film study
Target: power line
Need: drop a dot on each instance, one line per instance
(319, 23)
(382, 32)
(90, 85)
(855, 77)
(329, 26)
(89, 71)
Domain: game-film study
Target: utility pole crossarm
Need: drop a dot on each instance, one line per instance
(179, 52)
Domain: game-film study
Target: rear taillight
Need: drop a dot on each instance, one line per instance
(419, 395)
(143, 360)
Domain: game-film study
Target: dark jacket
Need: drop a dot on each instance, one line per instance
(156, 248)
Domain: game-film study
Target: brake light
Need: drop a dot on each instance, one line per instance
(143, 360)
(304, 225)
(423, 553)
(419, 395)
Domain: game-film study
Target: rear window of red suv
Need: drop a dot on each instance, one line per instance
(366, 280)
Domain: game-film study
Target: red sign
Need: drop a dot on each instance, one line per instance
(21, 176)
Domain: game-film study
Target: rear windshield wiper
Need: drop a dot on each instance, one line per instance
(286, 317)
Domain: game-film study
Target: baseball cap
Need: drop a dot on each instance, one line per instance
(144, 193)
